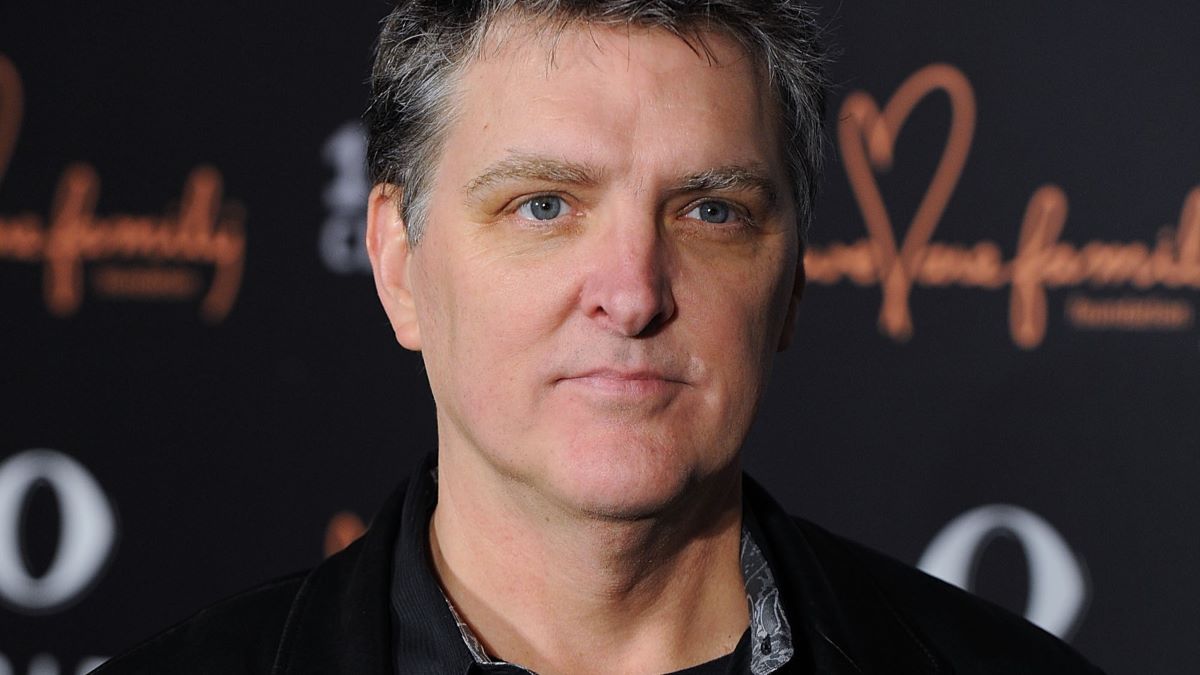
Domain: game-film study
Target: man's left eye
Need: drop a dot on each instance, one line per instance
(712, 212)
(543, 207)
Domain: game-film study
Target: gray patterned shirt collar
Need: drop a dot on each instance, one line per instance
(770, 633)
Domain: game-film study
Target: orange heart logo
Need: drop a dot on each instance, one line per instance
(867, 138)
(10, 111)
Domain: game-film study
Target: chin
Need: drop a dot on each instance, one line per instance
(631, 505)
(626, 481)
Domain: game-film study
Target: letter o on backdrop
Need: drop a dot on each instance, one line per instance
(1057, 586)
(86, 534)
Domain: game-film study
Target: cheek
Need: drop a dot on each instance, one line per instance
(482, 329)
(503, 313)
(735, 327)
(730, 342)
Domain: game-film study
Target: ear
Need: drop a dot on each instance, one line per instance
(789, 321)
(391, 262)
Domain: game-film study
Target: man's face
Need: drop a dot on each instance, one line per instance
(608, 265)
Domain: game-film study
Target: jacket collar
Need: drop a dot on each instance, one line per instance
(341, 621)
(837, 611)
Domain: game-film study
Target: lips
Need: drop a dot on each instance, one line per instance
(639, 382)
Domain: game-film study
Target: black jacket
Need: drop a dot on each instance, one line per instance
(852, 610)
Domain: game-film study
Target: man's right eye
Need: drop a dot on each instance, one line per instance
(542, 207)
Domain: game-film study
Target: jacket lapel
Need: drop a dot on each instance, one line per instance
(379, 594)
(835, 608)
(339, 623)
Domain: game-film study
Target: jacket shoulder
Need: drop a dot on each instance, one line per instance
(973, 634)
(237, 635)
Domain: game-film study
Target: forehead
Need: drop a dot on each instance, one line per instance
(621, 97)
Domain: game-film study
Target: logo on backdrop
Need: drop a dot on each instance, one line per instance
(86, 541)
(867, 138)
(1058, 588)
(87, 531)
(171, 257)
(341, 531)
(342, 244)
(45, 664)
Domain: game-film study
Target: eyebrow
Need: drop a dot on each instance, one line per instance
(727, 178)
(521, 166)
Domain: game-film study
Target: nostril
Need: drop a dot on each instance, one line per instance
(637, 312)
(629, 289)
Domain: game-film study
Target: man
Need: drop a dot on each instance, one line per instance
(587, 217)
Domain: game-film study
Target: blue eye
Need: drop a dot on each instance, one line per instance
(711, 212)
(544, 207)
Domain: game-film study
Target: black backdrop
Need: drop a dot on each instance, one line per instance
(212, 372)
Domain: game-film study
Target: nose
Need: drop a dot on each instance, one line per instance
(627, 288)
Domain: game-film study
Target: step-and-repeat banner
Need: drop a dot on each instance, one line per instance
(997, 374)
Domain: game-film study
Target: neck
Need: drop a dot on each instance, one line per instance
(559, 591)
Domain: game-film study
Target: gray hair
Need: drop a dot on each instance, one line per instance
(426, 44)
